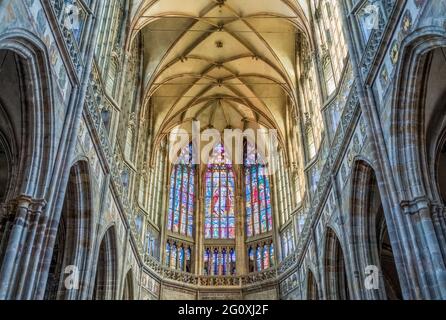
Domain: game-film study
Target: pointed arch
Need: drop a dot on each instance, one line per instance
(77, 217)
(37, 110)
(312, 286)
(370, 236)
(129, 288)
(335, 273)
(105, 284)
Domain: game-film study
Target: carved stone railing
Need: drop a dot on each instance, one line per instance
(95, 101)
(219, 281)
(376, 37)
(72, 45)
(167, 274)
(336, 150)
(260, 277)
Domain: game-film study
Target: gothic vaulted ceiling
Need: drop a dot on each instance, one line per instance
(225, 63)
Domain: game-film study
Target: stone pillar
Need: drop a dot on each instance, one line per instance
(240, 233)
(199, 233)
(423, 247)
(22, 239)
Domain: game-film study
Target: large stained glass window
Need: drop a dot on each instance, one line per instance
(219, 196)
(182, 195)
(258, 195)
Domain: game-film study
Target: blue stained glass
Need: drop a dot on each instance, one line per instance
(182, 195)
(208, 228)
(223, 258)
(248, 204)
(181, 259)
(262, 201)
(171, 202)
(258, 212)
(216, 229)
(173, 257)
(259, 258)
(271, 254)
(215, 262)
(268, 204)
(168, 254)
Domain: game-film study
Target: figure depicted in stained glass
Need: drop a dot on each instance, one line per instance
(219, 196)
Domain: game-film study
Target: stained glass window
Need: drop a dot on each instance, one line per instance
(219, 261)
(173, 256)
(271, 254)
(216, 262)
(251, 260)
(260, 257)
(181, 258)
(168, 254)
(182, 195)
(259, 261)
(232, 268)
(219, 196)
(178, 256)
(266, 261)
(258, 195)
(188, 260)
(207, 262)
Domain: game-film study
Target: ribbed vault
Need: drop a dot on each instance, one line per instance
(225, 63)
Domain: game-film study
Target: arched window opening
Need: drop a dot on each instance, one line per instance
(182, 195)
(258, 196)
(219, 196)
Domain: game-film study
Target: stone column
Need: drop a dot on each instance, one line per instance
(22, 239)
(240, 226)
(199, 223)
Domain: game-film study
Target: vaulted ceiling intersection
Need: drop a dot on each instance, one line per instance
(225, 63)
